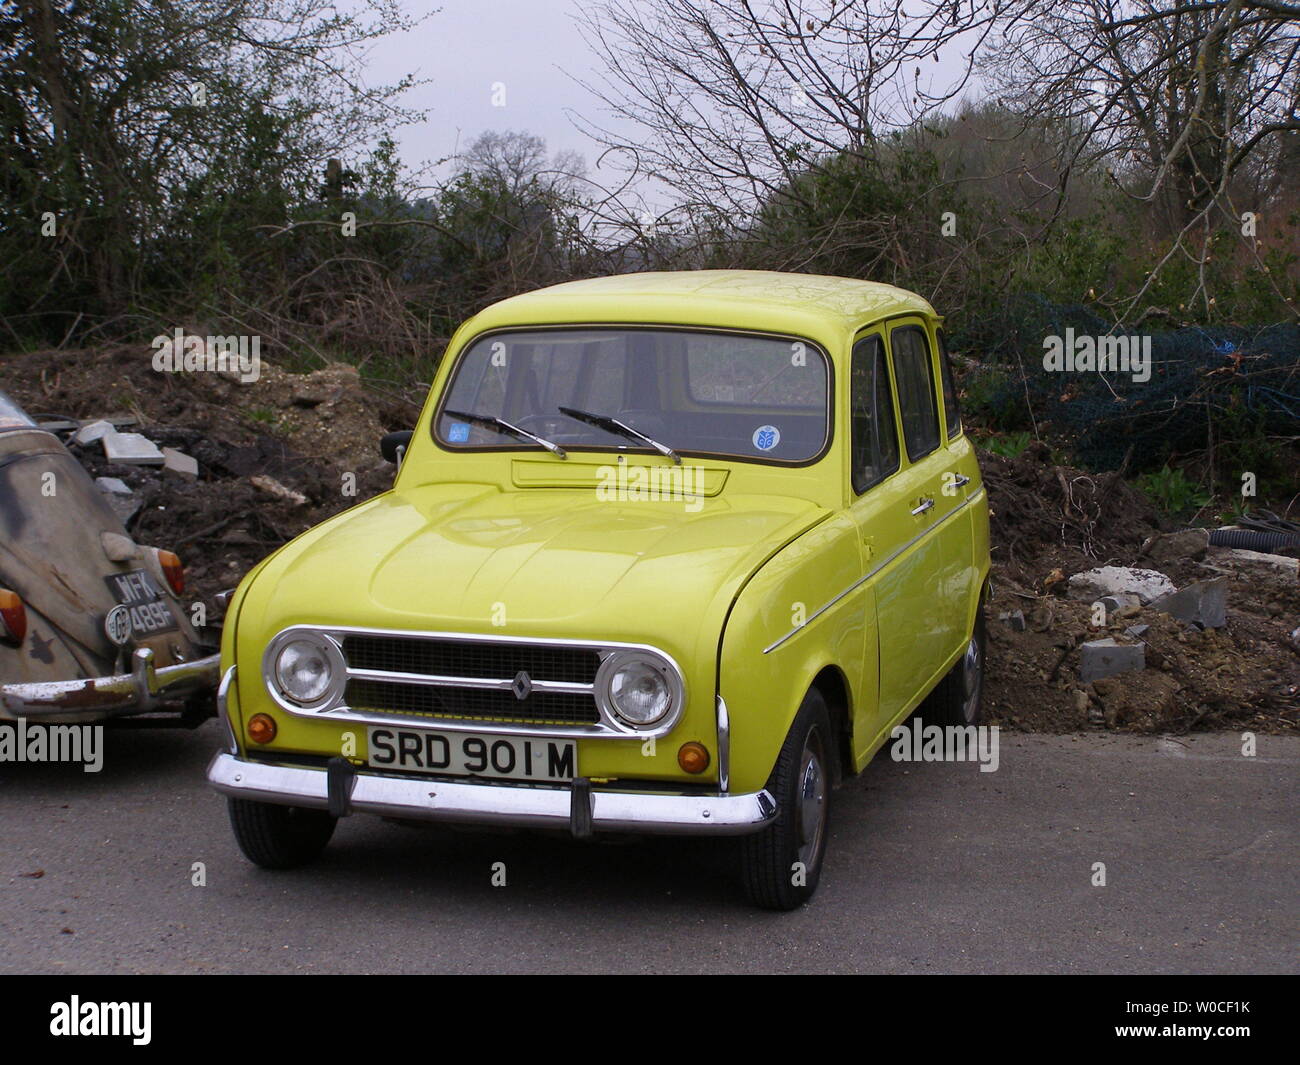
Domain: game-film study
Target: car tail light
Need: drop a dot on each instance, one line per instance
(13, 616)
(172, 570)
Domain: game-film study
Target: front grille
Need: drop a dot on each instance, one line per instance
(555, 708)
(484, 661)
(472, 661)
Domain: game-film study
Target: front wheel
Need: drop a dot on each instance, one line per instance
(782, 864)
(279, 837)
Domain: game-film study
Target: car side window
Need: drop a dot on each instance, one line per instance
(916, 396)
(952, 412)
(875, 437)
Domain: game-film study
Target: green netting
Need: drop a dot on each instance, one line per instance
(1206, 384)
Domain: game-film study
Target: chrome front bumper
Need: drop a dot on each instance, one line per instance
(580, 809)
(95, 698)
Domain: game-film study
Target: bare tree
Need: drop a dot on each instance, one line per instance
(736, 98)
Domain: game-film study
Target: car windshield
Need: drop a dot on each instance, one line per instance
(736, 395)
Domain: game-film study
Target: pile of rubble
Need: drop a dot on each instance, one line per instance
(1209, 639)
(220, 470)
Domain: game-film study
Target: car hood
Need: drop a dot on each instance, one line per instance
(536, 562)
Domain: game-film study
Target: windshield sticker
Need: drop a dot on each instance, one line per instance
(458, 433)
(766, 437)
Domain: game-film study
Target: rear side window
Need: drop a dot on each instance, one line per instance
(875, 437)
(916, 398)
(950, 409)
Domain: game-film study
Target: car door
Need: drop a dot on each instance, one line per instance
(879, 490)
(920, 553)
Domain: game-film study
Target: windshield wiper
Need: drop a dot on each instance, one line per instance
(503, 426)
(613, 425)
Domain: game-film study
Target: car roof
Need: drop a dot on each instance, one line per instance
(807, 304)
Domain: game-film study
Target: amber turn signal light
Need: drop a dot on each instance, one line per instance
(13, 617)
(693, 757)
(261, 728)
(172, 570)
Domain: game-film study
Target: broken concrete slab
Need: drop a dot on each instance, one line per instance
(1137, 631)
(120, 497)
(179, 463)
(92, 431)
(113, 486)
(131, 449)
(1241, 559)
(1146, 584)
(1204, 603)
(1013, 619)
(1105, 658)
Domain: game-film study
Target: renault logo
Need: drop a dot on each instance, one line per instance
(522, 685)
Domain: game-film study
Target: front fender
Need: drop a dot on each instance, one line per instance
(786, 626)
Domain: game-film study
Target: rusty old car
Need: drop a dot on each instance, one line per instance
(92, 626)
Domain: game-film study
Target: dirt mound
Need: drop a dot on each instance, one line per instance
(276, 455)
(1048, 522)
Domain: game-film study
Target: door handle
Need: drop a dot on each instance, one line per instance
(926, 504)
(960, 481)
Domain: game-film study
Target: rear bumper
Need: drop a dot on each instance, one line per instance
(581, 809)
(97, 698)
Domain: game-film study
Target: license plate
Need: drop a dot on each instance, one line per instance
(143, 599)
(471, 754)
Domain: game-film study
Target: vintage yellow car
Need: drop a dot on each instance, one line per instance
(665, 553)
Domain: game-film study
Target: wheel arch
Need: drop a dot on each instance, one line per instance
(833, 687)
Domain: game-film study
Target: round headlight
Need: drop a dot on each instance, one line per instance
(639, 691)
(303, 670)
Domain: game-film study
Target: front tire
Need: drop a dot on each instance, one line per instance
(782, 864)
(279, 837)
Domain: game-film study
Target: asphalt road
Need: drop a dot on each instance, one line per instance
(932, 868)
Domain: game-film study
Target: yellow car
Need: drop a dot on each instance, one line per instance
(665, 553)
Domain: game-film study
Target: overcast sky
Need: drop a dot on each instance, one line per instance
(533, 49)
(467, 47)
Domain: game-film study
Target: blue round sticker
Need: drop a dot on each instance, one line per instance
(766, 437)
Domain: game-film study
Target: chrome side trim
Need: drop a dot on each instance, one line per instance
(488, 803)
(873, 571)
(724, 746)
(223, 709)
(332, 707)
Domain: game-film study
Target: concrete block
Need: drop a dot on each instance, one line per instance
(179, 463)
(113, 486)
(92, 431)
(1204, 603)
(1105, 658)
(131, 449)
(1014, 619)
(125, 503)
